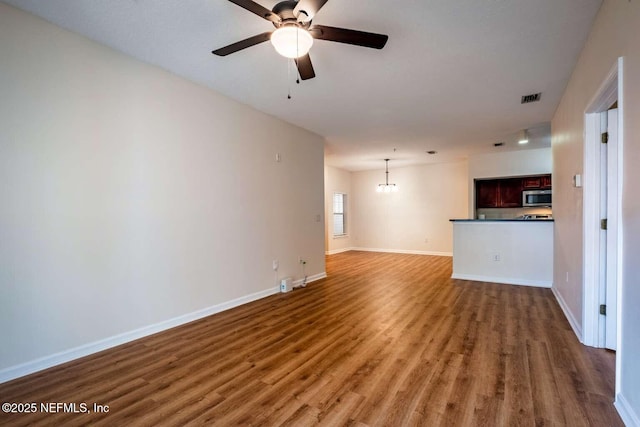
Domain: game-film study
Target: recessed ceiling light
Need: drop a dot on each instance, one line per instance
(523, 138)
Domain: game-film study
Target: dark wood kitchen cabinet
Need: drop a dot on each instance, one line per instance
(507, 192)
(545, 182)
(541, 182)
(499, 193)
(488, 193)
(511, 193)
(531, 182)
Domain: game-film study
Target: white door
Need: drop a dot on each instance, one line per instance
(612, 205)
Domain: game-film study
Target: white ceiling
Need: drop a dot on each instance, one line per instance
(449, 79)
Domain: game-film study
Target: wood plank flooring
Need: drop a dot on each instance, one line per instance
(385, 340)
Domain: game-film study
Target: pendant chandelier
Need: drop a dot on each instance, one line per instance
(386, 187)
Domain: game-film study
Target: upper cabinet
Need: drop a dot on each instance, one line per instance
(488, 193)
(507, 193)
(511, 193)
(545, 182)
(542, 182)
(531, 182)
(499, 193)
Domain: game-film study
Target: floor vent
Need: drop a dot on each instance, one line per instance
(534, 97)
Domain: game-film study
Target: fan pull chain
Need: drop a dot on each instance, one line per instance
(288, 79)
(297, 56)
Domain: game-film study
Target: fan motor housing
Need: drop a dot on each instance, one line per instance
(284, 10)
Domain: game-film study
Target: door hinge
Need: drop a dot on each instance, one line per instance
(603, 224)
(604, 138)
(603, 309)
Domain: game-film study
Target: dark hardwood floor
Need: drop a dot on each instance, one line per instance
(385, 340)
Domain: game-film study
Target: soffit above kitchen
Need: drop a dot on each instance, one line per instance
(450, 79)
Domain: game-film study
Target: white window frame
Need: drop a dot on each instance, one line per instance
(343, 214)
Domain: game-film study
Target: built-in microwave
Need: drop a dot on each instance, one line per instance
(536, 198)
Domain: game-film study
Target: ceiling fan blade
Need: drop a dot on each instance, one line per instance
(305, 68)
(343, 35)
(254, 7)
(242, 44)
(309, 8)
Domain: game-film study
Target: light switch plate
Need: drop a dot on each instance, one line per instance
(577, 180)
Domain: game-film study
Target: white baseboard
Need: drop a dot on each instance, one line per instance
(338, 251)
(404, 251)
(577, 329)
(27, 368)
(629, 417)
(310, 279)
(503, 280)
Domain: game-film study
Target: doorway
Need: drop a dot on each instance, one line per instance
(602, 231)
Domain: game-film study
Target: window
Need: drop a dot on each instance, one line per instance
(339, 205)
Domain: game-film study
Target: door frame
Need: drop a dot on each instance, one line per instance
(610, 91)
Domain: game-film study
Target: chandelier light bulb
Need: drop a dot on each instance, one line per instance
(291, 41)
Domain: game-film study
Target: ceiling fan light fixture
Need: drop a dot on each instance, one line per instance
(291, 41)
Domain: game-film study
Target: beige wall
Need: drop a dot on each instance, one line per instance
(416, 219)
(130, 196)
(337, 181)
(615, 33)
(510, 163)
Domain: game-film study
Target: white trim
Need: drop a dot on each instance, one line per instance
(609, 91)
(27, 368)
(568, 314)
(404, 251)
(338, 251)
(620, 270)
(503, 280)
(310, 279)
(629, 417)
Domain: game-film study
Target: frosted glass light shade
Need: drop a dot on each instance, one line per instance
(291, 41)
(387, 188)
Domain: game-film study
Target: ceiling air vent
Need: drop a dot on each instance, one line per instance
(534, 97)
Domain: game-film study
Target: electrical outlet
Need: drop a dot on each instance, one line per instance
(426, 240)
(276, 264)
(496, 256)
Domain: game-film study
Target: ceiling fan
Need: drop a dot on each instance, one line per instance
(294, 33)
